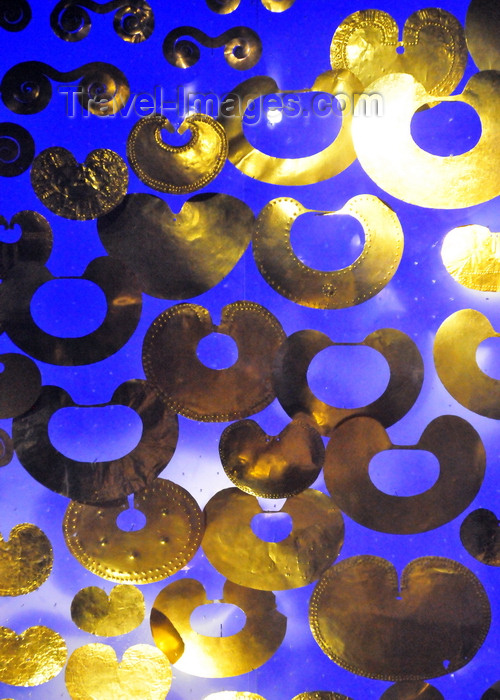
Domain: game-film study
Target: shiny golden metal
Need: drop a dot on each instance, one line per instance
(31, 658)
(94, 673)
(320, 695)
(178, 256)
(34, 244)
(233, 695)
(471, 254)
(480, 535)
(299, 349)
(462, 462)
(389, 155)
(455, 347)
(411, 690)
(97, 482)
(79, 191)
(224, 7)
(272, 467)
(232, 547)
(93, 611)
(289, 171)
(170, 538)
(481, 31)
(242, 46)
(433, 48)
(123, 310)
(431, 623)
(134, 22)
(25, 560)
(177, 169)
(365, 277)
(198, 392)
(20, 384)
(216, 657)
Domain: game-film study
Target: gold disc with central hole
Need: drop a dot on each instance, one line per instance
(169, 539)
(311, 547)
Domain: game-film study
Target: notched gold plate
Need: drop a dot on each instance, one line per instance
(31, 658)
(272, 466)
(93, 611)
(94, 673)
(462, 463)
(178, 256)
(389, 155)
(216, 657)
(25, 560)
(471, 254)
(338, 289)
(372, 625)
(170, 538)
(314, 542)
(198, 392)
(433, 48)
(34, 244)
(177, 169)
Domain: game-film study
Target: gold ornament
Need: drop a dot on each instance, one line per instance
(93, 611)
(25, 560)
(31, 658)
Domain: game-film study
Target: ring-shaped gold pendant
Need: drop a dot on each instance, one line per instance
(389, 155)
(177, 169)
(290, 171)
(338, 289)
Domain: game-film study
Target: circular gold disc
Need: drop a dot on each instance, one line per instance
(170, 538)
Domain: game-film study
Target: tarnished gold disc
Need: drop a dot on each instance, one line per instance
(471, 254)
(462, 462)
(198, 392)
(31, 658)
(338, 289)
(20, 384)
(216, 657)
(79, 191)
(492, 693)
(289, 171)
(300, 348)
(370, 624)
(482, 27)
(320, 695)
(232, 547)
(480, 535)
(177, 169)
(93, 611)
(271, 467)
(433, 48)
(34, 244)
(412, 690)
(94, 673)
(455, 346)
(25, 560)
(389, 155)
(178, 256)
(170, 538)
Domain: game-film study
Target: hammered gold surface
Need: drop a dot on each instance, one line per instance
(92, 610)
(480, 535)
(94, 673)
(372, 625)
(289, 171)
(25, 560)
(300, 348)
(271, 466)
(389, 155)
(169, 539)
(233, 695)
(471, 254)
(79, 190)
(320, 695)
(231, 546)
(455, 347)
(178, 255)
(31, 658)
(481, 30)
(198, 392)
(338, 289)
(216, 657)
(177, 169)
(433, 44)
(462, 463)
